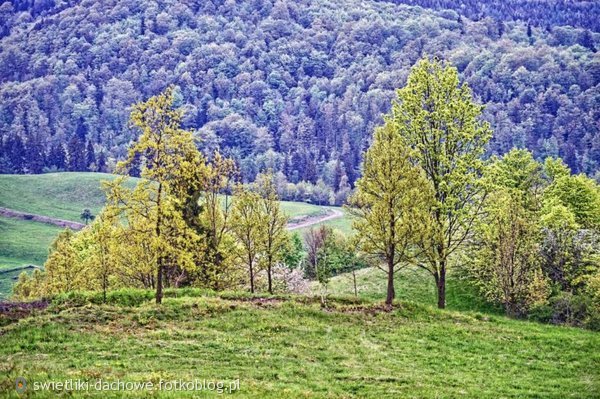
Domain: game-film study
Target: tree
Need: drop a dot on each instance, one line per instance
(505, 253)
(314, 239)
(581, 195)
(76, 155)
(215, 206)
(170, 162)
(293, 253)
(87, 216)
(247, 225)
(274, 223)
(104, 240)
(90, 156)
(63, 272)
(436, 117)
(57, 157)
(101, 162)
(506, 262)
(390, 204)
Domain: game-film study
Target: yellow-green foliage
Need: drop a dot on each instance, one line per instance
(505, 256)
(391, 203)
(436, 117)
(276, 239)
(173, 227)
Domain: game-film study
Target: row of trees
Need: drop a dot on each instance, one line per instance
(178, 226)
(32, 156)
(526, 234)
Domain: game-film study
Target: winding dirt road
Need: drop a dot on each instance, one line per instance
(294, 225)
(11, 213)
(312, 220)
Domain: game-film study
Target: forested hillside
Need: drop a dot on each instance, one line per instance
(293, 85)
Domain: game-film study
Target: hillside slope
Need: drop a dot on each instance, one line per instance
(293, 85)
(65, 195)
(292, 348)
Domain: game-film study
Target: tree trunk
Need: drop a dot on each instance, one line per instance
(251, 275)
(391, 293)
(269, 275)
(159, 272)
(441, 286)
(104, 287)
(159, 282)
(354, 280)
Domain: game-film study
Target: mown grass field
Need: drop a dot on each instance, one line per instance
(292, 348)
(65, 195)
(22, 243)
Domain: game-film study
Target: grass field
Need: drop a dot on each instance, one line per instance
(65, 195)
(24, 242)
(285, 348)
(276, 346)
(412, 284)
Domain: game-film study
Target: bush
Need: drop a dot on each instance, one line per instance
(568, 309)
(124, 297)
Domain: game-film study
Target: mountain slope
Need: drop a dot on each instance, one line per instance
(295, 86)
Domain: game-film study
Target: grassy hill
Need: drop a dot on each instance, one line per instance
(65, 195)
(289, 347)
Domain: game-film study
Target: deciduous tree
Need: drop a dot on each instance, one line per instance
(436, 117)
(390, 204)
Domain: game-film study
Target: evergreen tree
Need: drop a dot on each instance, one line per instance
(57, 157)
(81, 130)
(90, 156)
(101, 162)
(16, 153)
(76, 155)
(36, 158)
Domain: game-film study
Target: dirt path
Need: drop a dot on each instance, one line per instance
(294, 225)
(10, 213)
(312, 220)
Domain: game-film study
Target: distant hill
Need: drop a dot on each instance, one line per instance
(297, 86)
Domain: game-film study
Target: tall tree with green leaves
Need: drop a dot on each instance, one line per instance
(390, 204)
(170, 160)
(276, 237)
(435, 116)
(247, 221)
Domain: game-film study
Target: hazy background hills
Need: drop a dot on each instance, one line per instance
(293, 85)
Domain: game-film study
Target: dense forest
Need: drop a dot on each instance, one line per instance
(296, 87)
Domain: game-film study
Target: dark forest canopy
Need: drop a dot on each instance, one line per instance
(296, 86)
(544, 13)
